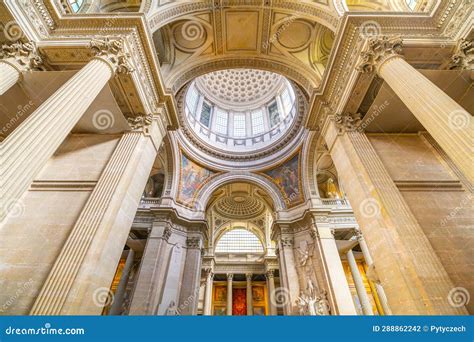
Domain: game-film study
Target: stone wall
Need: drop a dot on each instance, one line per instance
(435, 195)
(32, 238)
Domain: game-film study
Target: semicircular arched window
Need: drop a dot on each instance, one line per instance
(239, 240)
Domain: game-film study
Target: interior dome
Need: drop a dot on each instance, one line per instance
(240, 109)
(240, 87)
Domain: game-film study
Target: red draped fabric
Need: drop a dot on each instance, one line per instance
(239, 302)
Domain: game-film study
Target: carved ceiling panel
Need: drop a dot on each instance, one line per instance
(229, 35)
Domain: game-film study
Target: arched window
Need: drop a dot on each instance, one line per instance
(76, 5)
(239, 240)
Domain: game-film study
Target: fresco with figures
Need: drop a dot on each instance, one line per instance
(287, 178)
(192, 177)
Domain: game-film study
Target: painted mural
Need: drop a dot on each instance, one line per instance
(192, 177)
(287, 177)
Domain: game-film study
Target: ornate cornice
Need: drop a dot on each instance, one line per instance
(22, 56)
(379, 50)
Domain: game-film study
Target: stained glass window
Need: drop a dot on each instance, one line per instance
(239, 240)
(205, 114)
(273, 114)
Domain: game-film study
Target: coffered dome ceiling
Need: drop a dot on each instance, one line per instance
(239, 206)
(240, 87)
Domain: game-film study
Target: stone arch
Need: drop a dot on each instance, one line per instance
(299, 75)
(207, 190)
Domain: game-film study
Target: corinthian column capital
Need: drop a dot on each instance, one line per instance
(347, 122)
(112, 51)
(22, 56)
(463, 58)
(380, 49)
(140, 122)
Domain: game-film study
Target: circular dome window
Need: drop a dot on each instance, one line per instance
(240, 109)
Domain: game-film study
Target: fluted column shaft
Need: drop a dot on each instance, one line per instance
(409, 269)
(208, 294)
(86, 260)
(335, 270)
(229, 294)
(447, 122)
(116, 308)
(249, 294)
(359, 284)
(378, 286)
(271, 292)
(288, 276)
(27, 149)
(8, 76)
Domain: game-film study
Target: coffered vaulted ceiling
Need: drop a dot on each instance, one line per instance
(258, 37)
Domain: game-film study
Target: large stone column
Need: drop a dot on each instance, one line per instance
(409, 270)
(86, 264)
(117, 304)
(271, 292)
(189, 296)
(208, 293)
(229, 294)
(369, 261)
(359, 284)
(332, 260)
(248, 277)
(447, 122)
(15, 59)
(27, 149)
(290, 289)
